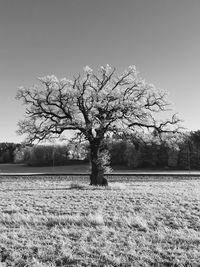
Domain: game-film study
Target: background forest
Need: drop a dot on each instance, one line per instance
(175, 151)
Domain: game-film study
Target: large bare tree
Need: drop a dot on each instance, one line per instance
(94, 105)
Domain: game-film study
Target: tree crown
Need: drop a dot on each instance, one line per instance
(93, 104)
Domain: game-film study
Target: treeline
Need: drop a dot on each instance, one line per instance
(173, 152)
(42, 155)
(136, 152)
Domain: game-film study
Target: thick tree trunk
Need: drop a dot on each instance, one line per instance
(97, 172)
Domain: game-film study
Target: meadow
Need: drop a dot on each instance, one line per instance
(61, 221)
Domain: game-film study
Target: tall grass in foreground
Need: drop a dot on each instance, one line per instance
(129, 224)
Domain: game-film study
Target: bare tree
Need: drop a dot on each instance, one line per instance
(94, 106)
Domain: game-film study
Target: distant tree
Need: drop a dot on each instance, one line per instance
(7, 151)
(192, 149)
(94, 106)
(185, 150)
(195, 137)
(117, 149)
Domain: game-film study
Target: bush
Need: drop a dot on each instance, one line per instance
(104, 161)
(22, 155)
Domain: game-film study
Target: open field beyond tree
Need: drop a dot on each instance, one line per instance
(57, 221)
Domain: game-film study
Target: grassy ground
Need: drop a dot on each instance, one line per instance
(59, 222)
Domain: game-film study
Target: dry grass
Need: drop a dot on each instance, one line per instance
(57, 222)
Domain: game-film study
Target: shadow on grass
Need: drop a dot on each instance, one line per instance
(72, 186)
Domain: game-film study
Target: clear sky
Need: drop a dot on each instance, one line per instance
(42, 37)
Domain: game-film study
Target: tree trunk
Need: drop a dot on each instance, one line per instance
(97, 172)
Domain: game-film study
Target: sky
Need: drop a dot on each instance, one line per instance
(44, 37)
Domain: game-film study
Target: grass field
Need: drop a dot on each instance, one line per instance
(56, 221)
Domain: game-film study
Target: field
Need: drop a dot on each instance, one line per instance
(57, 221)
